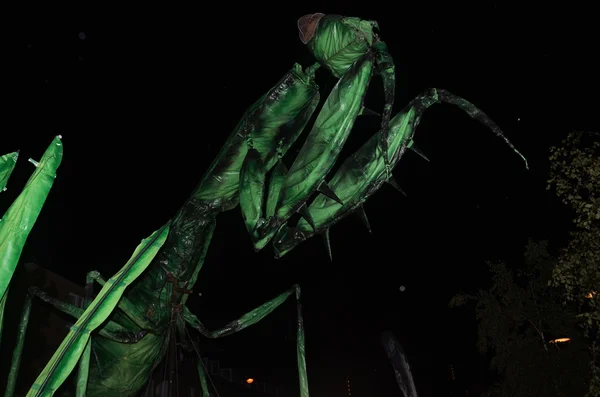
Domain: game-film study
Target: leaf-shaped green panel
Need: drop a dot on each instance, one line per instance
(17, 222)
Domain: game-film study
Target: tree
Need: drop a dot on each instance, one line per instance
(519, 317)
(575, 177)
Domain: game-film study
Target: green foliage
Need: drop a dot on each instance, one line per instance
(575, 177)
(517, 318)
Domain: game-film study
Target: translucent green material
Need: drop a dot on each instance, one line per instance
(122, 335)
(70, 350)
(7, 165)
(341, 41)
(271, 126)
(17, 222)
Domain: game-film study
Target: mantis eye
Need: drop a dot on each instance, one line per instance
(307, 25)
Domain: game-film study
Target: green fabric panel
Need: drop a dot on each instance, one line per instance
(19, 219)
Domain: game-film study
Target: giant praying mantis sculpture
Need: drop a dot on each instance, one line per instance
(123, 333)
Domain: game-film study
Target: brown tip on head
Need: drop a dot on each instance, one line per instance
(307, 25)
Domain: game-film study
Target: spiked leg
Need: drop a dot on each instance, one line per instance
(364, 172)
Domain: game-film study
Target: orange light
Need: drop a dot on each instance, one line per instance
(249, 381)
(560, 340)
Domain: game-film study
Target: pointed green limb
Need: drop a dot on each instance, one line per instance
(363, 173)
(412, 146)
(476, 113)
(19, 219)
(327, 242)
(7, 165)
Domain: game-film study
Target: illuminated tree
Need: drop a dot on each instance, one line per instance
(519, 318)
(575, 177)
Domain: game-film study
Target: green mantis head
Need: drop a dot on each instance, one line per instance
(335, 41)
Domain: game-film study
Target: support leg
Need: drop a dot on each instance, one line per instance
(255, 316)
(124, 304)
(202, 376)
(18, 351)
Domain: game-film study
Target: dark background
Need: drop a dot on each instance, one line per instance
(144, 98)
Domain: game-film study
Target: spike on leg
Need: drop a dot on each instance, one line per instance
(413, 147)
(327, 191)
(363, 218)
(392, 182)
(327, 242)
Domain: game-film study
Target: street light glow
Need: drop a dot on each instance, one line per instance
(249, 381)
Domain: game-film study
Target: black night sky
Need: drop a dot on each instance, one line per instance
(144, 99)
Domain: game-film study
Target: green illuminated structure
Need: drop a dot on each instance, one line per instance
(124, 332)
